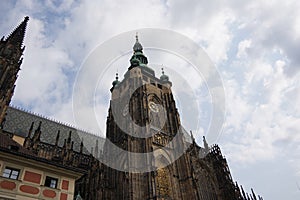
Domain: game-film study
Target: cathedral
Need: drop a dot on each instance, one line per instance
(146, 154)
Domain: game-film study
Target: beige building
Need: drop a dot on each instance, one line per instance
(24, 176)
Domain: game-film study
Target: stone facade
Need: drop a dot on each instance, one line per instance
(142, 120)
(142, 104)
(11, 51)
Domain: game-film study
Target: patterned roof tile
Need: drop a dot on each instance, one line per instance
(19, 121)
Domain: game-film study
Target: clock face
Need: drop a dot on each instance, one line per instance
(125, 110)
(153, 107)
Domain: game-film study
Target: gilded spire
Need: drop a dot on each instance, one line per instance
(17, 36)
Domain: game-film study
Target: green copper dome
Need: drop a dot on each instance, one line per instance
(137, 46)
(134, 61)
(164, 77)
(116, 82)
(138, 58)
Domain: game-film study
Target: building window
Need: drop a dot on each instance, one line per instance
(51, 182)
(11, 173)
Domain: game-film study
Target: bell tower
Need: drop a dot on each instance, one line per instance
(11, 50)
(143, 119)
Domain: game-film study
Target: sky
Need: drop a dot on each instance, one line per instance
(254, 46)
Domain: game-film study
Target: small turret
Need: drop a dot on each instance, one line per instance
(163, 77)
(92, 151)
(192, 137)
(69, 137)
(65, 144)
(81, 146)
(96, 149)
(206, 147)
(27, 142)
(116, 82)
(37, 133)
(30, 130)
(253, 194)
(243, 192)
(57, 138)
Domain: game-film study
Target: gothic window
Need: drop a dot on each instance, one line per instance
(11, 173)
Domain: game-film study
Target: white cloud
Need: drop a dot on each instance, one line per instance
(243, 47)
(254, 44)
(43, 82)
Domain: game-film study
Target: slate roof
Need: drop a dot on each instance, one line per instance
(19, 121)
